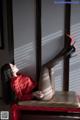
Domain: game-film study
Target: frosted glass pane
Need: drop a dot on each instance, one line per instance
(52, 35)
(24, 35)
(75, 60)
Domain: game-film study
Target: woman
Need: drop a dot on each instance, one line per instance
(21, 85)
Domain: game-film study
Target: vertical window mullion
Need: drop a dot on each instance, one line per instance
(66, 44)
(38, 38)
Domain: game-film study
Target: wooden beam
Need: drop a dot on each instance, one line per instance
(38, 39)
(67, 43)
(10, 30)
(1, 25)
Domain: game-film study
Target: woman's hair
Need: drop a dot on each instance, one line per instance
(6, 75)
(6, 71)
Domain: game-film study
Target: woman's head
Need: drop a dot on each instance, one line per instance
(9, 70)
(14, 69)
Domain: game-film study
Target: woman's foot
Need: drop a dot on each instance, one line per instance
(38, 95)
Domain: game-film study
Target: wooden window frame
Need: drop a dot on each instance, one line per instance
(38, 39)
(66, 44)
(1, 25)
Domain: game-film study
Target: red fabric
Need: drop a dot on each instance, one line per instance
(23, 86)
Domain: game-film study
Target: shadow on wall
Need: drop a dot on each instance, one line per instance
(51, 45)
(75, 61)
(25, 55)
(74, 64)
(29, 70)
(51, 49)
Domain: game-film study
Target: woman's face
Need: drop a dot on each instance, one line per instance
(14, 69)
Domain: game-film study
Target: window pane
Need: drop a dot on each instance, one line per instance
(52, 35)
(75, 61)
(24, 35)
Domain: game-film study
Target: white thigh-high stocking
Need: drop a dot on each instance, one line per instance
(45, 84)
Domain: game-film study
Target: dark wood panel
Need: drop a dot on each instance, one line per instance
(66, 59)
(1, 25)
(38, 38)
(49, 115)
(10, 30)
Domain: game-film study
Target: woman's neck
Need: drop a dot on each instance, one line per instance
(14, 74)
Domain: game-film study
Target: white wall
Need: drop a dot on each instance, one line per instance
(52, 37)
(75, 61)
(24, 32)
(24, 35)
(52, 29)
